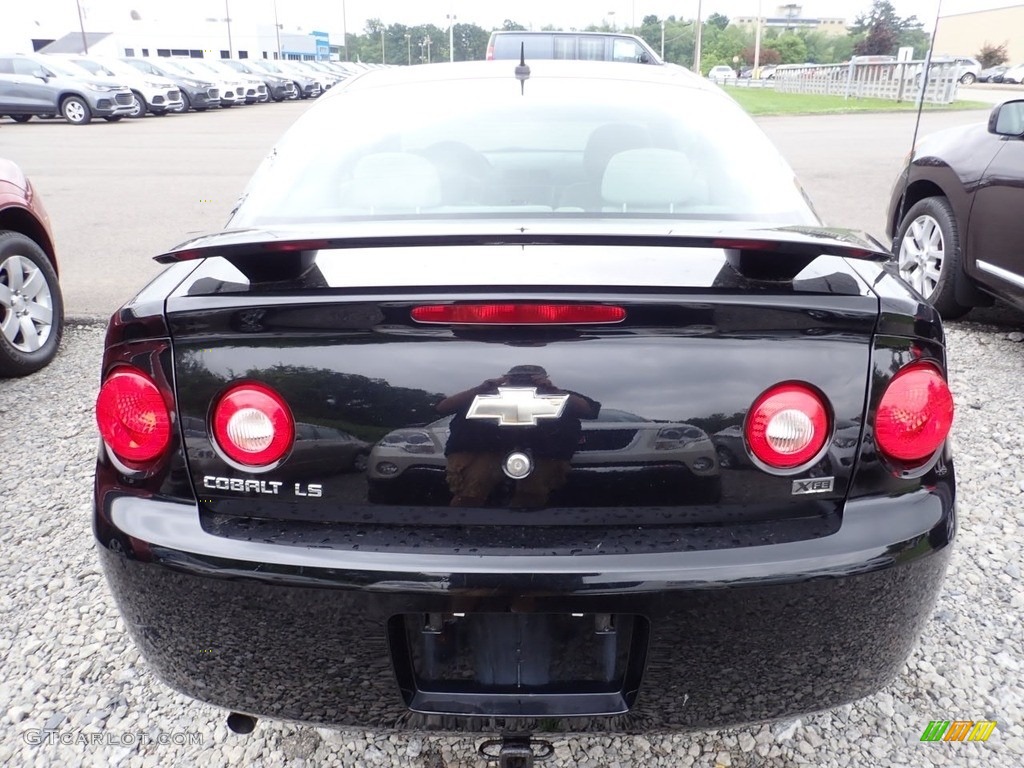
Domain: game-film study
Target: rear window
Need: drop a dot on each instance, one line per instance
(589, 147)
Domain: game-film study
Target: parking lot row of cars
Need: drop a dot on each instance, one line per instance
(1004, 73)
(79, 87)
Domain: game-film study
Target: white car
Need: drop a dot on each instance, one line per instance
(153, 94)
(721, 74)
(254, 88)
(328, 76)
(232, 90)
(967, 69)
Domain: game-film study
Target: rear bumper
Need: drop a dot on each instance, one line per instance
(729, 636)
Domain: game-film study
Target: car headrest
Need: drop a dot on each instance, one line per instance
(649, 178)
(395, 181)
(608, 140)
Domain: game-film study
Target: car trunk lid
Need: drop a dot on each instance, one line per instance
(669, 386)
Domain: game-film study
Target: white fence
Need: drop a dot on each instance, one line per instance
(749, 82)
(892, 80)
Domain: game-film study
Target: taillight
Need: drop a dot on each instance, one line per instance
(915, 414)
(490, 52)
(518, 314)
(787, 425)
(132, 417)
(253, 425)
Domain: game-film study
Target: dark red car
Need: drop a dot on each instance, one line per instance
(31, 307)
(955, 214)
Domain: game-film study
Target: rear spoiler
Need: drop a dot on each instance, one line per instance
(769, 254)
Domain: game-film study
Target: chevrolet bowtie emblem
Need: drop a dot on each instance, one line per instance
(517, 406)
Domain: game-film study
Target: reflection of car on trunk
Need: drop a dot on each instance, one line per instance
(317, 450)
(620, 455)
(327, 450)
(729, 447)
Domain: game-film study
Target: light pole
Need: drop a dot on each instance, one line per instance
(757, 43)
(81, 26)
(344, 30)
(277, 31)
(612, 14)
(662, 39)
(696, 42)
(227, 20)
(408, 46)
(451, 36)
(383, 57)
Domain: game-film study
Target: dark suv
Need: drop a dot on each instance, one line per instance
(590, 46)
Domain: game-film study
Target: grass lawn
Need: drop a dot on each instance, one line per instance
(765, 101)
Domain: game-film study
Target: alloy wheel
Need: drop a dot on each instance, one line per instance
(922, 252)
(26, 304)
(138, 106)
(74, 112)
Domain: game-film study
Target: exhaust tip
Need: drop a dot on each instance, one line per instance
(241, 724)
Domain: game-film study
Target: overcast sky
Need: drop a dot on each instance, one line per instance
(104, 15)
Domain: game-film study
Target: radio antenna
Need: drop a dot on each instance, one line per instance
(920, 106)
(522, 69)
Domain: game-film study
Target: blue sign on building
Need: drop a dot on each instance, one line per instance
(323, 45)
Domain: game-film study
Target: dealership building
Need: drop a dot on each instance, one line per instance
(964, 34)
(202, 39)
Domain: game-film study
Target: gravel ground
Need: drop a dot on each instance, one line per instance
(71, 674)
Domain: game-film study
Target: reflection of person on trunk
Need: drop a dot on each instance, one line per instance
(477, 448)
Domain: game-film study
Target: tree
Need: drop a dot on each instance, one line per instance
(883, 13)
(678, 38)
(769, 56)
(792, 49)
(510, 26)
(992, 55)
(818, 45)
(917, 39)
(721, 46)
(470, 42)
(880, 41)
(883, 30)
(718, 20)
(842, 48)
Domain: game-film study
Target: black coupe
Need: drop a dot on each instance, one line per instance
(956, 214)
(519, 249)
